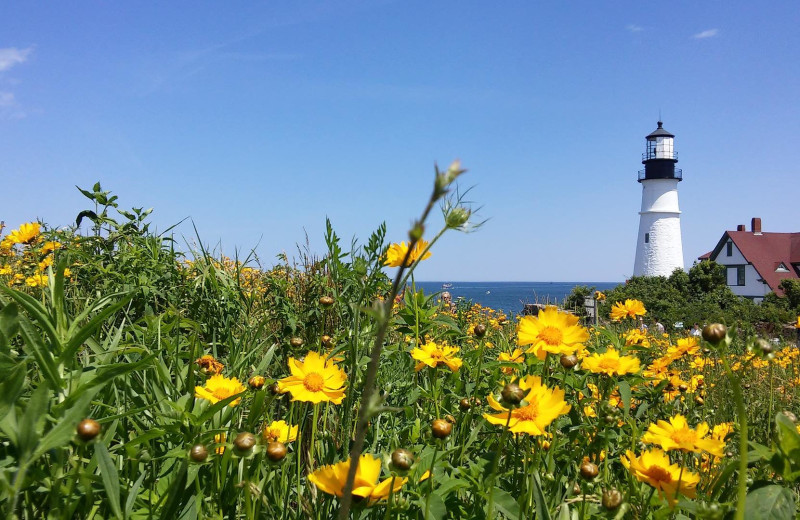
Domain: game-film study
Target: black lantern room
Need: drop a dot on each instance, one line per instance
(660, 158)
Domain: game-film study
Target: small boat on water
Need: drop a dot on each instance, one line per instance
(488, 292)
(447, 286)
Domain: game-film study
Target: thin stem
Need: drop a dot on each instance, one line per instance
(741, 494)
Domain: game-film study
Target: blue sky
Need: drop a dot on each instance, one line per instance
(257, 120)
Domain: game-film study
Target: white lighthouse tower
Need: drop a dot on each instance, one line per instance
(659, 250)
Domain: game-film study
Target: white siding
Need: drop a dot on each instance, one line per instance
(660, 220)
(752, 288)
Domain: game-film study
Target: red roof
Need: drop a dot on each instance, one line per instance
(767, 251)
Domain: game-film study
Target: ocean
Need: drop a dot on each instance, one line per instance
(510, 297)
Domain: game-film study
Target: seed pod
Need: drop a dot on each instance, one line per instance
(612, 498)
(568, 361)
(714, 333)
(198, 453)
(402, 459)
(276, 451)
(244, 441)
(88, 429)
(296, 342)
(683, 387)
(464, 404)
(480, 330)
(441, 429)
(256, 382)
(576, 489)
(326, 301)
(512, 394)
(589, 470)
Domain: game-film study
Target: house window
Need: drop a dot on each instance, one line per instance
(647, 238)
(740, 275)
(729, 249)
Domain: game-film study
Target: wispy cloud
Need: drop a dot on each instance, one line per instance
(635, 28)
(11, 56)
(709, 33)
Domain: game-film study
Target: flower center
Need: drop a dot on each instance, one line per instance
(551, 335)
(527, 413)
(659, 474)
(684, 436)
(437, 354)
(272, 434)
(313, 382)
(609, 364)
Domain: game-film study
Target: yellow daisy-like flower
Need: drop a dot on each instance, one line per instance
(551, 332)
(50, 246)
(636, 337)
(332, 479)
(540, 407)
(654, 467)
(629, 309)
(219, 387)
(6, 270)
(677, 435)
(611, 363)
(26, 233)
(397, 253)
(279, 431)
(722, 430)
(599, 296)
(37, 280)
(690, 346)
(432, 354)
(315, 380)
(208, 364)
(518, 356)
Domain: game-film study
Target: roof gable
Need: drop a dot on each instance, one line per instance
(766, 252)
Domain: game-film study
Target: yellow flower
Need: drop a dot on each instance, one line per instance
(26, 233)
(676, 435)
(629, 309)
(5, 270)
(611, 363)
(220, 439)
(636, 337)
(332, 479)
(279, 431)
(50, 246)
(690, 346)
(599, 296)
(722, 430)
(397, 252)
(551, 332)
(540, 407)
(518, 356)
(433, 355)
(654, 468)
(315, 380)
(798, 322)
(208, 364)
(37, 280)
(219, 387)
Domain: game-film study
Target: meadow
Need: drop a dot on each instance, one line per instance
(141, 381)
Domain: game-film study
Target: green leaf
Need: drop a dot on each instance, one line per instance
(542, 513)
(506, 503)
(37, 312)
(105, 374)
(30, 426)
(214, 408)
(9, 324)
(35, 347)
(625, 394)
(132, 494)
(436, 508)
(11, 389)
(770, 503)
(62, 432)
(77, 337)
(109, 476)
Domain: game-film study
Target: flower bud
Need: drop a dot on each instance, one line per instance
(244, 441)
(464, 404)
(589, 470)
(256, 382)
(296, 342)
(699, 401)
(88, 429)
(568, 361)
(441, 429)
(326, 301)
(276, 451)
(402, 459)
(198, 453)
(457, 217)
(714, 333)
(683, 387)
(612, 498)
(789, 415)
(275, 388)
(513, 394)
(480, 330)
(416, 232)
(326, 341)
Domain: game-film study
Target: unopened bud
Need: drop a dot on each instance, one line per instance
(513, 394)
(715, 333)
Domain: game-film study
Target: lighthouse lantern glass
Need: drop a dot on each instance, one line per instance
(660, 148)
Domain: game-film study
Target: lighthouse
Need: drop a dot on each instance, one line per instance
(659, 250)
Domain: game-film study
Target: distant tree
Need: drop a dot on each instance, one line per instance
(575, 299)
(706, 276)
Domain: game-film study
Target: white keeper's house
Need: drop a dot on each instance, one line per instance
(757, 261)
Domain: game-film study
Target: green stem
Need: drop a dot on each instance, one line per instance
(430, 479)
(741, 494)
(495, 462)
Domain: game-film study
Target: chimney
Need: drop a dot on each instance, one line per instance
(740, 227)
(755, 225)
